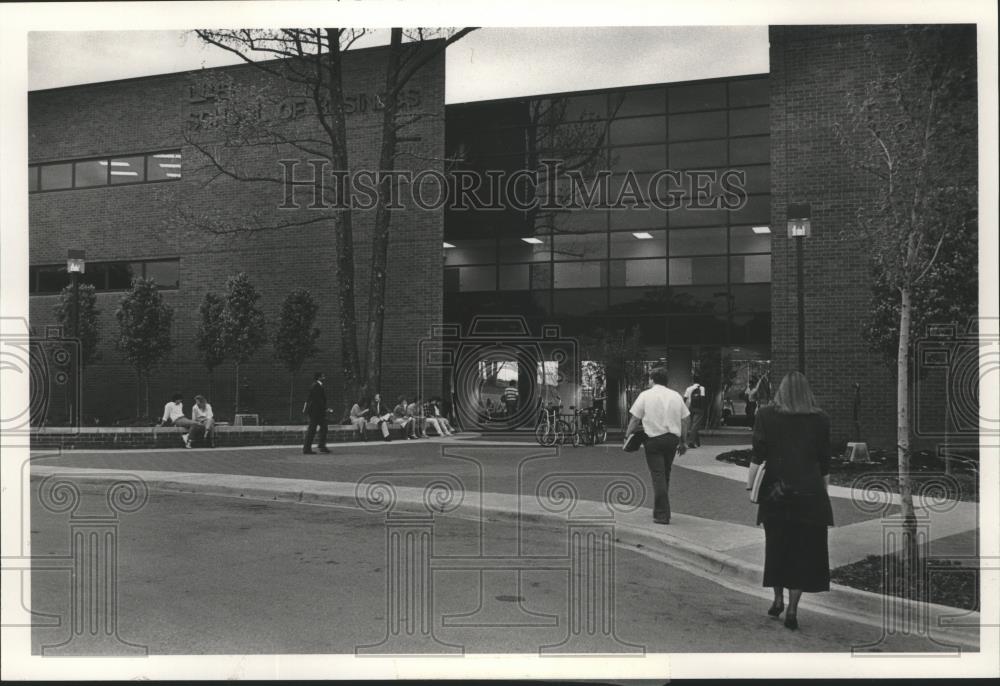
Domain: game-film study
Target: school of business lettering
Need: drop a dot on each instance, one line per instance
(288, 109)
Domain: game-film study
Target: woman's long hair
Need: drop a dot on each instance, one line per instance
(794, 395)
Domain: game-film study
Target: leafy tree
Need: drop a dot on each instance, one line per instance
(243, 325)
(911, 132)
(295, 337)
(624, 359)
(89, 331)
(144, 322)
(210, 337)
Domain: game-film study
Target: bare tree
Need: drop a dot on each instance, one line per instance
(309, 62)
(911, 130)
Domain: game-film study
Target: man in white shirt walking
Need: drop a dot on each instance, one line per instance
(173, 415)
(663, 416)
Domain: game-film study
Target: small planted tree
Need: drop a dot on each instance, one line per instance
(210, 338)
(911, 132)
(243, 326)
(88, 333)
(295, 337)
(144, 322)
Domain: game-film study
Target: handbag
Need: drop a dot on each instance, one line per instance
(634, 441)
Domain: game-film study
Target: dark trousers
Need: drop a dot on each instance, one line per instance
(311, 432)
(660, 451)
(697, 420)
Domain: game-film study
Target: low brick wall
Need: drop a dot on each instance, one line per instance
(121, 437)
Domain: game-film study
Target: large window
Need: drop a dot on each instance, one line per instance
(105, 171)
(685, 274)
(105, 276)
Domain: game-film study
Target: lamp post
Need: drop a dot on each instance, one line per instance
(76, 264)
(799, 228)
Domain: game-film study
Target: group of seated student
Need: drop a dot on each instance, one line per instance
(201, 423)
(412, 415)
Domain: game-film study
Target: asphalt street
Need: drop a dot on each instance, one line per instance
(216, 575)
(496, 468)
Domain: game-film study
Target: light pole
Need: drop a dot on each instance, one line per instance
(76, 264)
(799, 229)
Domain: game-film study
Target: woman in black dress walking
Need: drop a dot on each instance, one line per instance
(792, 438)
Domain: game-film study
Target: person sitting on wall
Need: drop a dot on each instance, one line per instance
(360, 412)
(381, 416)
(439, 415)
(201, 412)
(430, 419)
(173, 415)
(415, 410)
(404, 419)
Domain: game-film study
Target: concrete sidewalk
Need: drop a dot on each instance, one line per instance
(727, 553)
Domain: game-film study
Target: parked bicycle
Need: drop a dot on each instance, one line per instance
(549, 429)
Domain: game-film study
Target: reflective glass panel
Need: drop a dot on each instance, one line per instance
(56, 176)
(624, 244)
(697, 270)
(638, 273)
(91, 173)
(580, 246)
(166, 274)
(471, 252)
(580, 274)
(709, 241)
(698, 155)
(743, 239)
(128, 169)
(698, 125)
(748, 122)
(750, 269)
(163, 166)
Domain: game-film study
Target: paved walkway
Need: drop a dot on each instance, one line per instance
(711, 532)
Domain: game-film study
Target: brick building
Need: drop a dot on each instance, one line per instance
(700, 284)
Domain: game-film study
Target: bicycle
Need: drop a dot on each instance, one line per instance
(548, 429)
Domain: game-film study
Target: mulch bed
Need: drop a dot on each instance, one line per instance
(951, 588)
(927, 471)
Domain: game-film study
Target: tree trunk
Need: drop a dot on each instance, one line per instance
(138, 393)
(236, 401)
(910, 552)
(343, 225)
(291, 394)
(145, 377)
(383, 216)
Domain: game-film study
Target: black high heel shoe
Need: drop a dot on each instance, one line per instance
(791, 621)
(777, 607)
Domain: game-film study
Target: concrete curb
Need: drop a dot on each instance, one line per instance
(633, 529)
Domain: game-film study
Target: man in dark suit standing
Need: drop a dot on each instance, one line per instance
(316, 408)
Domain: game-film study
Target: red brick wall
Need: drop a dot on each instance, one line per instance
(137, 222)
(812, 71)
